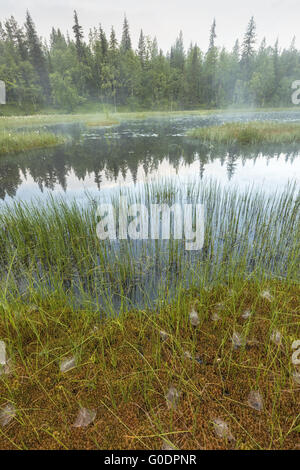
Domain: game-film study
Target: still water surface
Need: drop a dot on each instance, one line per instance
(135, 151)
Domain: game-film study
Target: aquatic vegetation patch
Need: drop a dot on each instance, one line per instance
(8, 122)
(15, 142)
(249, 133)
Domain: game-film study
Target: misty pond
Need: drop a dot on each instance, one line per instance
(135, 151)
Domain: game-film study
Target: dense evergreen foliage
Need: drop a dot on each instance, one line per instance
(66, 72)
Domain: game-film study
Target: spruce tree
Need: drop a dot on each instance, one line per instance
(248, 47)
(126, 40)
(154, 49)
(78, 33)
(248, 51)
(276, 64)
(113, 65)
(210, 68)
(236, 50)
(36, 55)
(113, 42)
(212, 36)
(193, 76)
(142, 48)
(103, 44)
(178, 54)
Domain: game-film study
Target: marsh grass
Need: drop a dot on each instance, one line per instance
(11, 122)
(108, 122)
(102, 118)
(58, 294)
(92, 119)
(255, 132)
(54, 245)
(15, 142)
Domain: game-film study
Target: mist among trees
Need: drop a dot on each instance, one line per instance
(67, 71)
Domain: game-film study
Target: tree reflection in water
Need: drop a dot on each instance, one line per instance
(124, 151)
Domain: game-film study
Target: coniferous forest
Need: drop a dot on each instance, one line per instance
(65, 71)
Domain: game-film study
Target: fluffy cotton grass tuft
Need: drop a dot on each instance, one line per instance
(194, 318)
(7, 414)
(2, 353)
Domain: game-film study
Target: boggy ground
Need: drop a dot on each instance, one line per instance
(125, 367)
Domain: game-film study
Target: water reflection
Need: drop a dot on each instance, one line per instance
(98, 158)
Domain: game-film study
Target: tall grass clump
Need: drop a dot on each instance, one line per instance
(15, 142)
(249, 133)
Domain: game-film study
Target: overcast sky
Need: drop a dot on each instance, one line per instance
(165, 18)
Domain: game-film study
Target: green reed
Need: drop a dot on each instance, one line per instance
(52, 247)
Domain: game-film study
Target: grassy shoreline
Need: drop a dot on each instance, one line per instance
(57, 293)
(248, 133)
(11, 142)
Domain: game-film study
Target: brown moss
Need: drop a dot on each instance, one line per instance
(124, 371)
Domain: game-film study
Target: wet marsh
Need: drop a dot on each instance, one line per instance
(166, 347)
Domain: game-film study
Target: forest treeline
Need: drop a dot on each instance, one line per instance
(65, 71)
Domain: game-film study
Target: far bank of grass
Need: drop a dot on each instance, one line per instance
(14, 142)
(37, 120)
(249, 133)
(104, 118)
